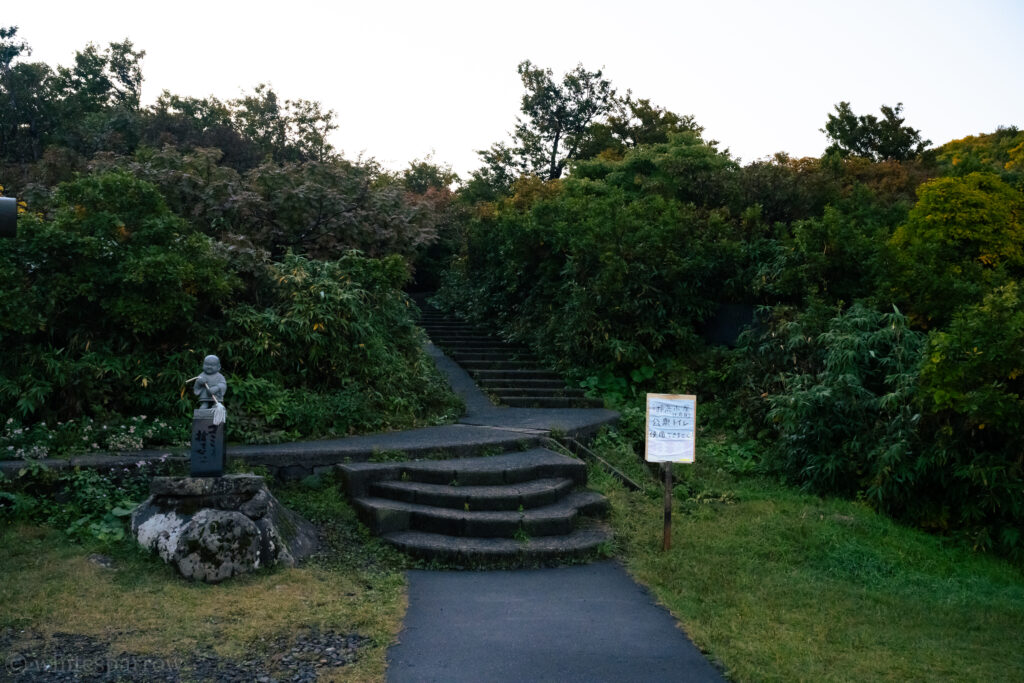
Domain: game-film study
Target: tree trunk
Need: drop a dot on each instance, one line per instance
(553, 170)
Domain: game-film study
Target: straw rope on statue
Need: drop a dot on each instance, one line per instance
(210, 387)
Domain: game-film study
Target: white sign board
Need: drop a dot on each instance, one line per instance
(671, 427)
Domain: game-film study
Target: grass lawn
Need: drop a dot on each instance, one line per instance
(773, 584)
(247, 625)
(776, 585)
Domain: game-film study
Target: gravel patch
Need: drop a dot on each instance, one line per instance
(29, 656)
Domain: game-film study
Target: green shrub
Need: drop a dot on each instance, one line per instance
(848, 424)
(964, 237)
(101, 302)
(116, 300)
(333, 351)
(595, 275)
(83, 503)
(925, 428)
(972, 389)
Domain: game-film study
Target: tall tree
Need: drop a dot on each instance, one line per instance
(100, 80)
(292, 130)
(885, 139)
(25, 105)
(557, 116)
(494, 179)
(11, 49)
(631, 123)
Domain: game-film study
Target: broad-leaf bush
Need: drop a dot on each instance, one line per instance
(972, 387)
(103, 301)
(115, 300)
(333, 350)
(964, 237)
(318, 208)
(847, 423)
(615, 267)
(925, 427)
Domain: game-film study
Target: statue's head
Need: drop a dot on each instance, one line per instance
(211, 364)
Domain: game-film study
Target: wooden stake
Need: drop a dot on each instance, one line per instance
(666, 543)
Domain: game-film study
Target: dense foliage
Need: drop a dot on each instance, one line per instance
(155, 235)
(612, 266)
(885, 359)
(313, 347)
(873, 138)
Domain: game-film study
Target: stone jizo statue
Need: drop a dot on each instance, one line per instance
(210, 387)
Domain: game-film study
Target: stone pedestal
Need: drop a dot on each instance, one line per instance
(207, 455)
(214, 528)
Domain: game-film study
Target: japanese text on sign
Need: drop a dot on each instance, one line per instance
(671, 427)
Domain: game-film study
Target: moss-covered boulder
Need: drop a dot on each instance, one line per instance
(214, 528)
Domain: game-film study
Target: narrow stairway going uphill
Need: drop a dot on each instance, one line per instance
(510, 374)
(520, 505)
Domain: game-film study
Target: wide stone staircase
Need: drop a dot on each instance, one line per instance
(516, 508)
(511, 503)
(510, 374)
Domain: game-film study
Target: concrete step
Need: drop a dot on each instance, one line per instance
(550, 402)
(383, 516)
(539, 392)
(496, 347)
(471, 365)
(521, 383)
(495, 470)
(497, 355)
(485, 375)
(582, 543)
(435, 328)
(463, 337)
(531, 494)
(479, 347)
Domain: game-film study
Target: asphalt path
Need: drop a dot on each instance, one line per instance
(580, 623)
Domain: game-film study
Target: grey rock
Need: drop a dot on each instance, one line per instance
(104, 561)
(257, 506)
(228, 485)
(211, 529)
(216, 545)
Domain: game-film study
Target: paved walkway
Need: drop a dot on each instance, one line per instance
(581, 623)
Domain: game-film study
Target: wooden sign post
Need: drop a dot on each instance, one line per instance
(671, 437)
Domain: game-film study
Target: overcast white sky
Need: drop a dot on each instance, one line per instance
(410, 78)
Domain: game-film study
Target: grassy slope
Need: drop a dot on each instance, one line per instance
(778, 585)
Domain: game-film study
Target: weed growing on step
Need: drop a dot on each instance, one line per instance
(382, 455)
(239, 466)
